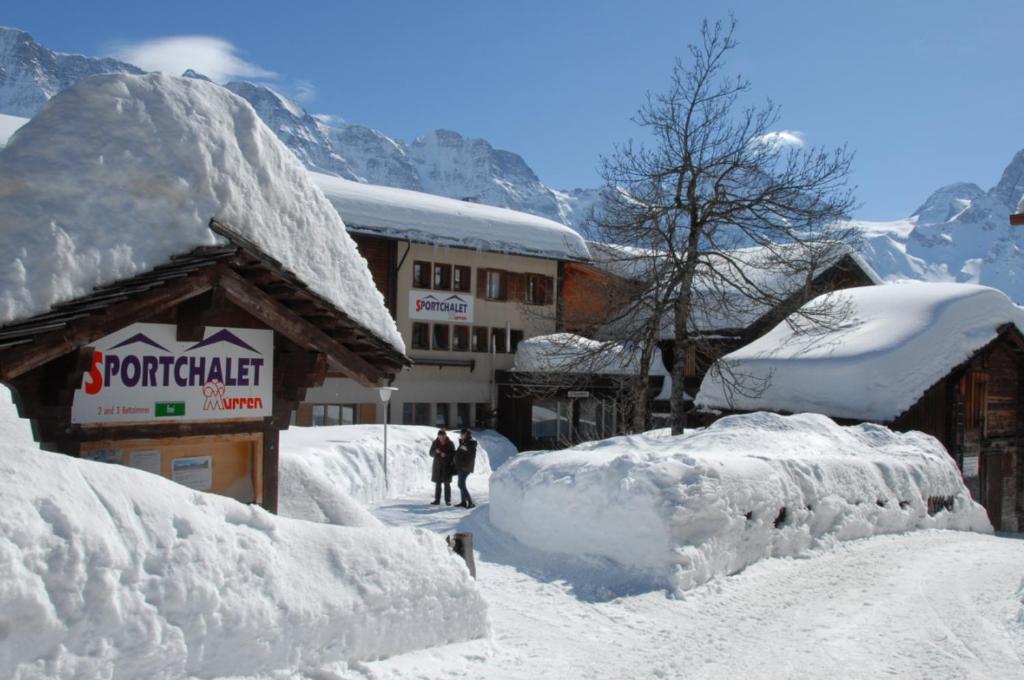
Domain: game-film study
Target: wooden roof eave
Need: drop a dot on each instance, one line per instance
(79, 331)
(293, 326)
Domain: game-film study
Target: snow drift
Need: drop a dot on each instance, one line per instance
(119, 173)
(895, 342)
(111, 572)
(685, 509)
(319, 463)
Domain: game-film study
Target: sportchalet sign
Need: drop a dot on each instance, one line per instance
(142, 373)
(440, 306)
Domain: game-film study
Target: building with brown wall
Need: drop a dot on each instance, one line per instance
(464, 282)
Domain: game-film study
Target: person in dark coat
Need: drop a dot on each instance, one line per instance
(465, 462)
(442, 450)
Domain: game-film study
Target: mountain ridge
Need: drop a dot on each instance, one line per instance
(961, 232)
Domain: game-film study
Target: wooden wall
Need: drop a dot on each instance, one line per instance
(977, 412)
(382, 256)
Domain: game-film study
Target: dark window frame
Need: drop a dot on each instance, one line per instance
(502, 292)
(426, 336)
(460, 331)
(462, 275)
(434, 328)
(425, 277)
(478, 333)
(445, 271)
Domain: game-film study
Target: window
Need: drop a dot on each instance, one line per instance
(462, 416)
(498, 339)
(348, 414)
(420, 274)
(415, 414)
(460, 338)
(440, 336)
(460, 278)
(443, 412)
(442, 277)
(480, 339)
(420, 336)
(495, 289)
(538, 289)
(551, 423)
(334, 414)
(517, 337)
(483, 415)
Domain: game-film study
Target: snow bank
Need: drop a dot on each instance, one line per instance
(685, 509)
(111, 572)
(897, 341)
(404, 214)
(349, 459)
(566, 352)
(119, 173)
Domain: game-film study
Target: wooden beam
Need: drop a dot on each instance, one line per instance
(45, 348)
(1017, 220)
(292, 326)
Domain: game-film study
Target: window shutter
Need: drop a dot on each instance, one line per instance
(481, 283)
(516, 286)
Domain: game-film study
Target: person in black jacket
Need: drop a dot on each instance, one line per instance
(442, 450)
(465, 462)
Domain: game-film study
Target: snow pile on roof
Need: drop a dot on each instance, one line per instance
(107, 571)
(569, 353)
(742, 285)
(686, 509)
(119, 173)
(8, 126)
(350, 460)
(896, 342)
(404, 214)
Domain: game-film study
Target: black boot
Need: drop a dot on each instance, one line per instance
(436, 503)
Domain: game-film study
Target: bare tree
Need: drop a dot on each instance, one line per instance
(736, 215)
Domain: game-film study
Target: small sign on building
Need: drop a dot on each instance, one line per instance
(440, 306)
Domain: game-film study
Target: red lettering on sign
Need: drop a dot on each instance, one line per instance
(95, 379)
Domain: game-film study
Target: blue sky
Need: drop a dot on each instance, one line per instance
(925, 93)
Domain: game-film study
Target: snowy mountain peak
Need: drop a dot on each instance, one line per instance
(30, 74)
(1010, 189)
(196, 75)
(949, 201)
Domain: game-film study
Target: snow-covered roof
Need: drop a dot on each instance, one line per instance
(735, 293)
(404, 214)
(120, 173)
(568, 353)
(895, 342)
(8, 124)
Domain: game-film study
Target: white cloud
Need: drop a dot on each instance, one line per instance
(781, 138)
(328, 118)
(305, 91)
(214, 57)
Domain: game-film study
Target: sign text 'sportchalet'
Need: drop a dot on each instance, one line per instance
(440, 306)
(143, 373)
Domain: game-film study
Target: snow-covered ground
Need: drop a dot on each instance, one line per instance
(927, 604)
(319, 464)
(111, 572)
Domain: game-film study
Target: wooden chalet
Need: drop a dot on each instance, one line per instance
(202, 419)
(973, 406)
(584, 299)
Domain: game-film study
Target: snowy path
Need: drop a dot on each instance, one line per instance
(927, 604)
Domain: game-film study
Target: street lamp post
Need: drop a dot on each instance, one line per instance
(385, 397)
